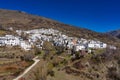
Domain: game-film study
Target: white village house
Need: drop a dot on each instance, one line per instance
(10, 40)
(36, 37)
(25, 45)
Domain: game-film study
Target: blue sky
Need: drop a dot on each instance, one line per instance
(97, 15)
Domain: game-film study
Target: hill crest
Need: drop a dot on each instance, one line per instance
(24, 21)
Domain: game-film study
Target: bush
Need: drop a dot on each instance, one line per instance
(27, 57)
(112, 73)
(51, 73)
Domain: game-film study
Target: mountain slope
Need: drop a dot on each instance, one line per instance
(115, 33)
(24, 21)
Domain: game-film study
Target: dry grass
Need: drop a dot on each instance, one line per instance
(62, 75)
(39, 72)
(12, 69)
(2, 32)
(8, 61)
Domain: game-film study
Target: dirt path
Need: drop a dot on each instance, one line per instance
(28, 69)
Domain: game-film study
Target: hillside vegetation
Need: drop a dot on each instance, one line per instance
(56, 62)
(24, 21)
(115, 33)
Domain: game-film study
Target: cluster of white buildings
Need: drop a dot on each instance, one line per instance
(37, 37)
(10, 40)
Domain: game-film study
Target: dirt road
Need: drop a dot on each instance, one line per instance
(36, 60)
